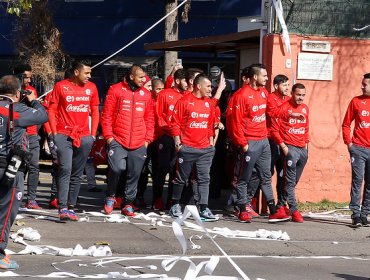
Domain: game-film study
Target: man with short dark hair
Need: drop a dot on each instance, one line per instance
(292, 135)
(24, 73)
(13, 138)
(165, 105)
(248, 131)
(191, 74)
(274, 100)
(128, 126)
(359, 150)
(73, 101)
(193, 131)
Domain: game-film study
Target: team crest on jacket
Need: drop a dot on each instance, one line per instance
(19, 195)
(263, 95)
(207, 104)
(304, 110)
(352, 159)
(181, 160)
(88, 91)
(141, 92)
(247, 158)
(289, 163)
(111, 152)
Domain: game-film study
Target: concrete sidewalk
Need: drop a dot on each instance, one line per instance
(298, 258)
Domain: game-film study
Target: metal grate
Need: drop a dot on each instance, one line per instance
(328, 17)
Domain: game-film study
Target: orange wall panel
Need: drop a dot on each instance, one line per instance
(327, 174)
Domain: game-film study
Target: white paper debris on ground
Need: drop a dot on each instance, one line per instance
(26, 234)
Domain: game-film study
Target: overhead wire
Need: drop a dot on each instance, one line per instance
(133, 41)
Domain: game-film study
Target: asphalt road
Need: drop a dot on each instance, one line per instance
(317, 249)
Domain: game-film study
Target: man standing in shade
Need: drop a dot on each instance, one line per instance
(13, 139)
(359, 150)
(24, 72)
(165, 105)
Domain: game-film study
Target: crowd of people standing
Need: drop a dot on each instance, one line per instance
(171, 128)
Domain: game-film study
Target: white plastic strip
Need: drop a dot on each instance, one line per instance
(154, 220)
(279, 12)
(118, 275)
(331, 215)
(191, 210)
(363, 28)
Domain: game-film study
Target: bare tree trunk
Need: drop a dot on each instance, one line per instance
(171, 31)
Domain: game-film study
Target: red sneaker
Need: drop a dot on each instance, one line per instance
(32, 204)
(108, 206)
(297, 217)
(279, 216)
(251, 212)
(64, 214)
(72, 215)
(53, 203)
(158, 204)
(128, 211)
(286, 210)
(245, 217)
(117, 202)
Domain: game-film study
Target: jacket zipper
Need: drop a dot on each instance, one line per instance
(132, 118)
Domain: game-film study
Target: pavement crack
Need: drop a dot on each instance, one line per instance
(299, 247)
(149, 232)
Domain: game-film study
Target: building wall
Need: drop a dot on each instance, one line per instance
(101, 28)
(327, 174)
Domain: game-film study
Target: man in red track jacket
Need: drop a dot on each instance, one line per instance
(292, 135)
(192, 128)
(247, 129)
(73, 101)
(128, 126)
(274, 100)
(165, 105)
(359, 150)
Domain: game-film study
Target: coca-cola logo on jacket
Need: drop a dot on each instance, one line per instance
(83, 108)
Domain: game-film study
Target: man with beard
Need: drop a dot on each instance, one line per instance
(165, 105)
(274, 100)
(73, 101)
(248, 132)
(292, 134)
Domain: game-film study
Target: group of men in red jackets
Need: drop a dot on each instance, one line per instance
(270, 133)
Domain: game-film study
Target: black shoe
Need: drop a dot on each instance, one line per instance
(364, 221)
(356, 222)
(94, 189)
